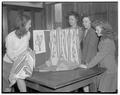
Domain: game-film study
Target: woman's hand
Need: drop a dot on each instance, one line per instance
(58, 28)
(83, 66)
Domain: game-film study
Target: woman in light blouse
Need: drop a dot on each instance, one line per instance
(19, 59)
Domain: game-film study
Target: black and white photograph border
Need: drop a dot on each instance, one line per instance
(38, 73)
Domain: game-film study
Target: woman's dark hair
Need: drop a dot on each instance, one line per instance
(91, 18)
(75, 14)
(21, 21)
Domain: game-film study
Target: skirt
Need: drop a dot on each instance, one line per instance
(22, 67)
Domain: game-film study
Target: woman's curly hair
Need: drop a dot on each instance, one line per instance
(75, 14)
(21, 21)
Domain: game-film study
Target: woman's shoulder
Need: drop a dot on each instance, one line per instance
(10, 35)
(80, 28)
(108, 42)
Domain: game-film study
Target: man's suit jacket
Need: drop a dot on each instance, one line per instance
(90, 45)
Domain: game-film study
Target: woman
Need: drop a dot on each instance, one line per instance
(64, 46)
(90, 40)
(74, 37)
(106, 57)
(19, 59)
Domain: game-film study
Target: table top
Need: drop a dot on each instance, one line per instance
(56, 79)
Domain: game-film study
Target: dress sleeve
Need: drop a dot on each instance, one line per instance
(106, 48)
(9, 43)
(9, 47)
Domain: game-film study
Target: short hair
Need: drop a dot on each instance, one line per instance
(91, 18)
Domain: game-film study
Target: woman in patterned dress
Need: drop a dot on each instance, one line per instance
(74, 37)
(19, 59)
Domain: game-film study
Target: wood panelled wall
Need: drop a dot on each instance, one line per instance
(99, 10)
(46, 18)
(4, 23)
(49, 16)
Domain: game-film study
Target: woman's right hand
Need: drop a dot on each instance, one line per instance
(83, 66)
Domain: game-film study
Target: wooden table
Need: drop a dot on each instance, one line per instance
(65, 81)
